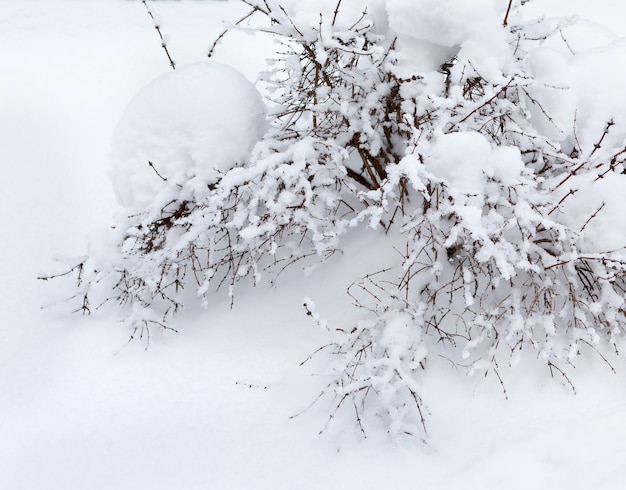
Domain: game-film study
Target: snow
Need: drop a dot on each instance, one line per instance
(464, 159)
(601, 96)
(436, 30)
(556, 97)
(210, 407)
(194, 123)
(606, 230)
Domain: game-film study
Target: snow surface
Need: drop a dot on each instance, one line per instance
(210, 407)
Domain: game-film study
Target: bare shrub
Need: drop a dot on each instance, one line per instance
(483, 264)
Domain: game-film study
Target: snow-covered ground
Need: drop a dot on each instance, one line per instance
(210, 407)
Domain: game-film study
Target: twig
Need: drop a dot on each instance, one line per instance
(505, 22)
(580, 148)
(156, 171)
(485, 104)
(78, 266)
(158, 29)
(566, 42)
(562, 373)
(251, 385)
(598, 145)
(593, 216)
(225, 31)
(358, 420)
(336, 12)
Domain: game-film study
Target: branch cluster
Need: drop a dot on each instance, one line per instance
(471, 194)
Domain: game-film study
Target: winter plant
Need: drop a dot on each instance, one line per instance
(449, 129)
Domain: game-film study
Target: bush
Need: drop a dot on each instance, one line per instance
(446, 142)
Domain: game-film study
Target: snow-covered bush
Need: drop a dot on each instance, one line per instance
(452, 129)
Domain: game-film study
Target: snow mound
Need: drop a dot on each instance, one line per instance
(184, 128)
(431, 32)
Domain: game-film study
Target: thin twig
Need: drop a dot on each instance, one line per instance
(335, 13)
(505, 22)
(593, 216)
(484, 104)
(158, 29)
(226, 31)
(156, 171)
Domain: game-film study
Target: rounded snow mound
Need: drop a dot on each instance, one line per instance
(183, 130)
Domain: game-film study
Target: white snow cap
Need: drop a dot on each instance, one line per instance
(430, 32)
(466, 158)
(191, 124)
